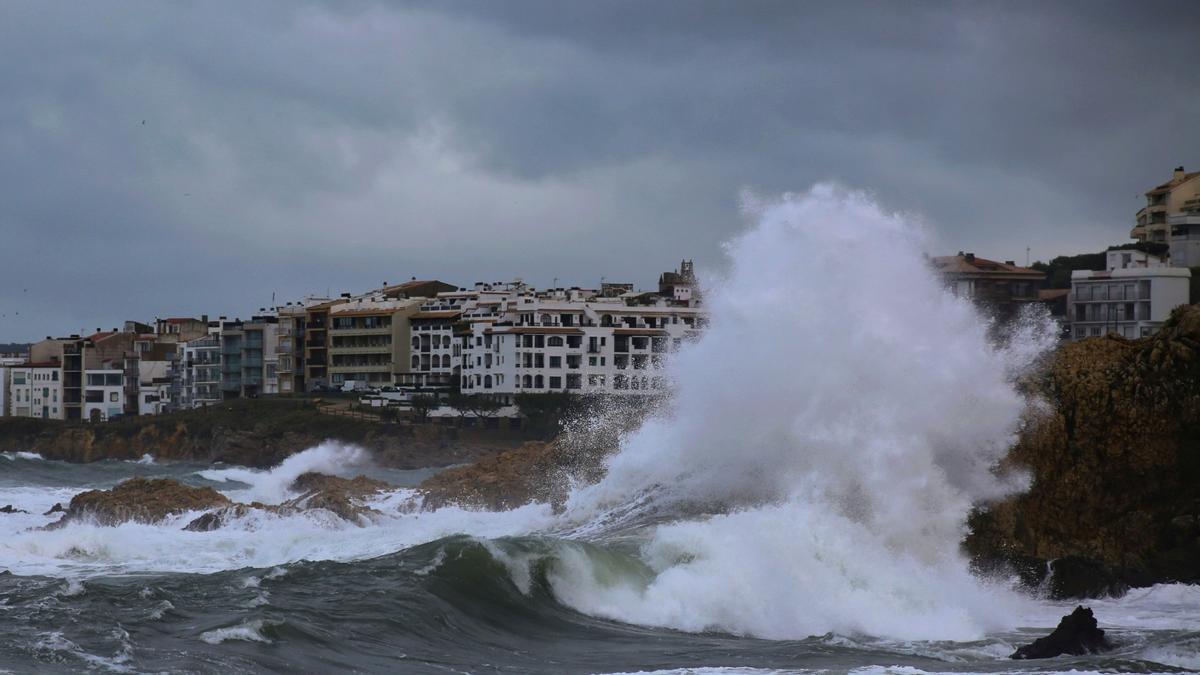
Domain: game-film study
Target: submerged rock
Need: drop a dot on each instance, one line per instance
(142, 500)
(9, 509)
(1077, 634)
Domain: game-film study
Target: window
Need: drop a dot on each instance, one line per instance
(554, 341)
(556, 383)
(556, 362)
(112, 397)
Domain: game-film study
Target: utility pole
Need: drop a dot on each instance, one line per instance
(1027, 256)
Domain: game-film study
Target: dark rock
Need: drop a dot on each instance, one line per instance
(341, 496)
(9, 509)
(1078, 577)
(57, 508)
(1077, 634)
(205, 523)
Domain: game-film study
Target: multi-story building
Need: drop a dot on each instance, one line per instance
(1178, 197)
(574, 340)
(289, 345)
(1001, 288)
(247, 357)
(369, 340)
(104, 393)
(181, 329)
(7, 363)
(36, 390)
(200, 383)
(1131, 298)
(319, 350)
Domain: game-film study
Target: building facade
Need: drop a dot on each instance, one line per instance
(572, 340)
(1132, 298)
(201, 372)
(248, 357)
(1000, 288)
(1177, 197)
(369, 340)
(104, 394)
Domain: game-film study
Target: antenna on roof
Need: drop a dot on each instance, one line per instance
(1027, 256)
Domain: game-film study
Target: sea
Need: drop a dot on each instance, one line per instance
(795, 505)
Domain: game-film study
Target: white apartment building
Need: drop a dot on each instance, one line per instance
(200, 382)
(1132, 298)
(6, 365)
(572, 340)
(103, 394)
(36, 390)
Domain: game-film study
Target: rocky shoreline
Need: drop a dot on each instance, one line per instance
(1111, 443)
(1114, 460)
(257, 433)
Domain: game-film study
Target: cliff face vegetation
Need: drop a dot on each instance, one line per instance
(257, 433)
(1115, 464)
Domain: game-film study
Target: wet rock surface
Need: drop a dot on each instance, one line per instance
(8, 508)
(1114, 458)
(146, 500)
(535, 472)
(1077, 634)
(143, 500)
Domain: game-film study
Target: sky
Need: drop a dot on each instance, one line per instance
(178, 159)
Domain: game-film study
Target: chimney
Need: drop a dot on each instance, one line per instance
(1010, 263)
(1179, 173)
(970, 257)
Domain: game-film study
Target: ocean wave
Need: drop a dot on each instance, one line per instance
(15, 455)
(272, 486)
(251, 631)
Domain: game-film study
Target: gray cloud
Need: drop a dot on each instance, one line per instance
(293, 148)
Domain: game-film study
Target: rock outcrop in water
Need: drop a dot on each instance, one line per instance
(146, 500)
(534, 472)
(1115, 465)
(1077, 634)
(142, 500)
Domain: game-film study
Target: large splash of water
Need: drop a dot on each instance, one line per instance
(812, 473)
(841, 415)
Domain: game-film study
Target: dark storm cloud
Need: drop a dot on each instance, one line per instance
(185, 158)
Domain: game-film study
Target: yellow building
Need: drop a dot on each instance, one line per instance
(1174, 198)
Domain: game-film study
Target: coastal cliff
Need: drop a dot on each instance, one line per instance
(257, 433)
(1114, 458)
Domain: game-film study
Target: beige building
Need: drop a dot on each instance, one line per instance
(360, 348)
(1176, 197)
(369, 340)
(1000, 287)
